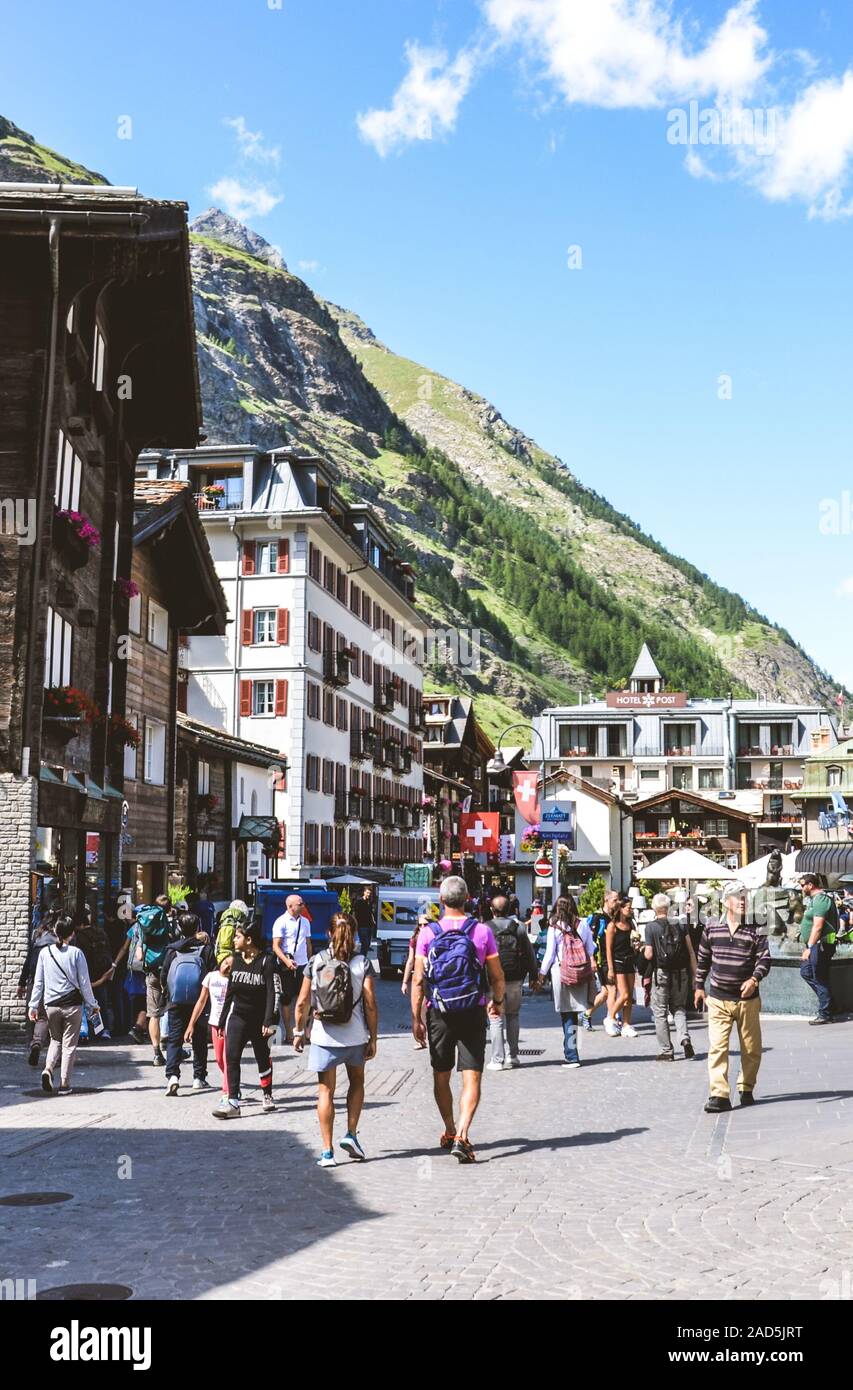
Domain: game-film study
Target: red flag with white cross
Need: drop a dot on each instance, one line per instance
(525, 786)
(479, 832)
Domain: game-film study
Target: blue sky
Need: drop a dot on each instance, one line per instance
(494, 135)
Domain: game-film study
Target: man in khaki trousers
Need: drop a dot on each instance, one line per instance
(736, 955)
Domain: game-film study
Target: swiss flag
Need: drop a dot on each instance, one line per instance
(525, 789)
(479, 832)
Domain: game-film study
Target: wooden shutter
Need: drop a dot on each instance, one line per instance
(247, 627)
(248, 557)
(282, 632)
(283, 562)
(282, 845)
(245, 697)
(281, 698)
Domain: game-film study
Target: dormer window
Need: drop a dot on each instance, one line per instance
(834, 776)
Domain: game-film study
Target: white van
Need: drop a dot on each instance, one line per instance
(397, 914)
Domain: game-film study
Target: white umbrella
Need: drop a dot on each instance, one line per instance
(685, 864)
(352, 881)
(754, 875)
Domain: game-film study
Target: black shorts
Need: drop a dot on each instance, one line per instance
(457, 1039)
(291, 982)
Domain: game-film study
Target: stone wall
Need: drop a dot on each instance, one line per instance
(18, 802)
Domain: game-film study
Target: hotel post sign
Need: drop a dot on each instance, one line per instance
(633, 699)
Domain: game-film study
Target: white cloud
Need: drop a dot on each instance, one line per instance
(812, 154)
(845, 589)
(426, 103)
(308, 265)
(252, 143)
(242, 201)
(624, 53)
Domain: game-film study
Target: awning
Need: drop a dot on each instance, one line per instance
(113, 792)
(47, 775)
(825, 859)
(263, 829)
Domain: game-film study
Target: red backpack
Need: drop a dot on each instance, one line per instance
(575, 965)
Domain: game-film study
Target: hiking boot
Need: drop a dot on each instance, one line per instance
(267, 1105)
(158, 1059)
(351, 1145)
(226, 1111)
(327, 1159)
(47, 1082)
(33, 1055)
(715, 1105)
(688, 1048)
(747, 1098)
(463, 1150)
(665, 1057)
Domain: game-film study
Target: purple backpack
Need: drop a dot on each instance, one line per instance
(455, 978)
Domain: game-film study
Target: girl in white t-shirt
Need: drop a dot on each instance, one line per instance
(214, 988)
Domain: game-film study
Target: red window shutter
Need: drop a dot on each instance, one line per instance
(282, 845)
(245, 697)
(281, 698)
(247, 627)
(282, 635)
(248, 557)
(283, 562)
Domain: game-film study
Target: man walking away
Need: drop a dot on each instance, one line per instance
(457, 962)
(185, 965)
(518, 959)
(818, 934)
(673, 964)
(363, 913)
(43, 935)
(737, 955)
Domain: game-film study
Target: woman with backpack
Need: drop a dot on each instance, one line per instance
(185, 965)
(621, 967)
(249, 1015)
(338, 984)
(62, 982)
(568, 961)
(518, 961)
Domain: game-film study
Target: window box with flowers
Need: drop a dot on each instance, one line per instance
(127, 588)
(121, 732)
(74, 537)
(207, 803)
(67, 709)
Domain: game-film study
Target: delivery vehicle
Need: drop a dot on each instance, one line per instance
(321, 904)
(397, 911)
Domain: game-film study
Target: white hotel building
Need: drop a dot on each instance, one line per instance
(322, 655)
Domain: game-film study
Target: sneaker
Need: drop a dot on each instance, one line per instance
(571, 1064)
(65, 1089)
(715, 1105)
(612, 1028)
(818, 1020)
(494, 1066)
(106, 1036)
(158, 1059)
(628, 1031)
(463, 1151)
(665, 1057)
(326, 1159)
(186, 1055)
(514, 1062)
(226, 1111)
(688, 1048)
(172, 1086)
(747, 1098)
(47, 1082)
(199, 1083)
(267, 1105)
(586, 1020)
(137, 1034)
(353, 1148)
(446, 1141)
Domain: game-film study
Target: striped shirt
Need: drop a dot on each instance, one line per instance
(732, 958)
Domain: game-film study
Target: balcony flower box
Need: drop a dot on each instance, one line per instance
(214, 490)
(122, 733)
(74, 537)
(67, 709)
(127, 588)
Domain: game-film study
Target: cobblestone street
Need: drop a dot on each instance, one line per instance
(609, 1180)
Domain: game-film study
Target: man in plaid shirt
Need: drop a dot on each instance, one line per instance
(737, 955)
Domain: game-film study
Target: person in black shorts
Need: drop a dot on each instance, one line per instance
(621, 967)
(456, 975)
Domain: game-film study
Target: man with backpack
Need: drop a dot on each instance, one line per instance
(458, 965)
(147, 940)
(518, 960)
(670, 951)
(185, 965)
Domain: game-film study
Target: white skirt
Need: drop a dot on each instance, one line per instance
(569, 998)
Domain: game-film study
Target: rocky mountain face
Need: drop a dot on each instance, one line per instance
(473, 500)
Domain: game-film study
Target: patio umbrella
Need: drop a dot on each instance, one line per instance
(685, 864)
(754, 875)
(352, 881)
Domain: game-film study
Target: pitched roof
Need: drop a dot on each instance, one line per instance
(165, 510)
(645, 669)
(720, 808)
(239, 748)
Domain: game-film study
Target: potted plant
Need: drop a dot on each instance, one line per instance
(122, 732)
(66, 709)
(75, 536)
(207, 802)
(128, 588)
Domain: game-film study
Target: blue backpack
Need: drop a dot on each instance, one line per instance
(186, 972)
(149, 938)
(455, 979)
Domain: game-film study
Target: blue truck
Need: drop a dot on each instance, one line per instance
(321, 902)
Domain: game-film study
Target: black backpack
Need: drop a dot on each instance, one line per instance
(511, 951)
(332, 994)
(669, 946)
